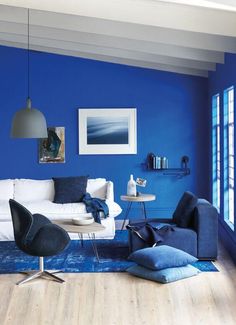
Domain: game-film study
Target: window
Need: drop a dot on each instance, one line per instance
(229, 156)
(216, 150)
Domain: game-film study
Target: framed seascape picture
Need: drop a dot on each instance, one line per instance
(52, 149)
(107, 131)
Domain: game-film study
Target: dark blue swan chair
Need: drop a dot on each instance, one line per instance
(35, 235)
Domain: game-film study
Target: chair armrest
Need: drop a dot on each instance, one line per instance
(50, 239)
(110, 191)
(206, 226)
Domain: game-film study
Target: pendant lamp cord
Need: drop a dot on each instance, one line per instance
(28, 58)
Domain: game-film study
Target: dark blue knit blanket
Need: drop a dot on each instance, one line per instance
(151, 234)
(95, 206)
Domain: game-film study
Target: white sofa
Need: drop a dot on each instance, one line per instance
(37, 196)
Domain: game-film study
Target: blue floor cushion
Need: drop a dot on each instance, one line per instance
(165, 275)
(161, 257)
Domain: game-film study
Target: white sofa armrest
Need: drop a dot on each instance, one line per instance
(110, 191)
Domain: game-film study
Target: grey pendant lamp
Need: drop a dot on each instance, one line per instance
(29, 122)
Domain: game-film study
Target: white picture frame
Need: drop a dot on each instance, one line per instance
(107, 131)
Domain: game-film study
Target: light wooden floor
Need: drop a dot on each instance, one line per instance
(120, 299)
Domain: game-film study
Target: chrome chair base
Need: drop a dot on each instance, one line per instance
(41, 273)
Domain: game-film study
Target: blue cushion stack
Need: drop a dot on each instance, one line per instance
(162, 264)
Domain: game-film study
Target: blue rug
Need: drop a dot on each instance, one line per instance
(75, 259)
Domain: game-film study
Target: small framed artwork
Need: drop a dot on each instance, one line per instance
(107, 131)
(52, 148)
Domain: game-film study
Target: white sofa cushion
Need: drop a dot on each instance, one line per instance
(97, 187)
(6, 189)
(55, 211)
(30, 190)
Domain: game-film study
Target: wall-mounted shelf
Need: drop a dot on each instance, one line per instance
(180, 172)
(172, 171)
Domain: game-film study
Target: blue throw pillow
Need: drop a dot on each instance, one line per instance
(164, 276)
(161, 257)
(69, 189)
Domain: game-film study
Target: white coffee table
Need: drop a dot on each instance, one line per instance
(90, 230)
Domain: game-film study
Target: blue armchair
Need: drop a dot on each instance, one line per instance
(199, 238)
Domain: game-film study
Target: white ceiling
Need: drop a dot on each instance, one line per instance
(217, 4)
(162, 35)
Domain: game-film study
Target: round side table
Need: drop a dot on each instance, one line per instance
(141, 199)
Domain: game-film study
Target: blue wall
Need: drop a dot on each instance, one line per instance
(223, 78)
(172, 118)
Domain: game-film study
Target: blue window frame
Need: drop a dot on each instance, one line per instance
(216, 170)
(229, 156)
